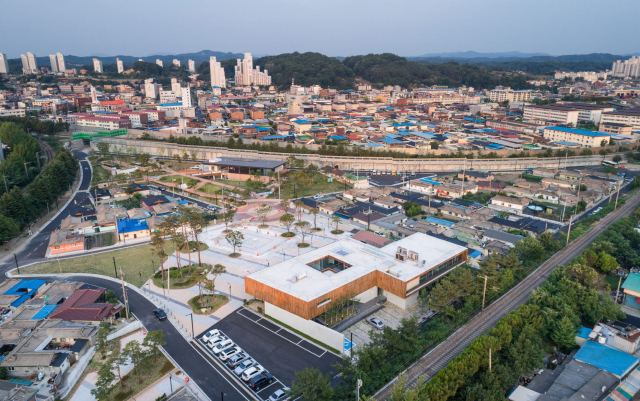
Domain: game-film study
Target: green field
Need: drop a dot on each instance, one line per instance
(312, 189)
(210, 188)
(133, 261)
(179, 179)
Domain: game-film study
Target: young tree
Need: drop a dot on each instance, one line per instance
(311, 385)
(285, 205)
(234, 238)
(103, 384)
(154, 340)
(303, 228)
(299, 209)
(197, 223)
(103, 148)
(227, 218)
(116, 363)
(606, 262)
(564, 333)
(216, 270)
(134, 351)
(314, 211)
(336, 220)
(101, 337)
(287, 221)
(263, 214)
(158, 242)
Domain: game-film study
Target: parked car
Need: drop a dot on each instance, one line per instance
(210, 335)
(160, 314)
(280, 395)
(221, 346)
(375, 322)
(162, 188)
(213, 341)
(237, 359)
(229, 352)
(253, 371)
(244, 366)
(260, 381)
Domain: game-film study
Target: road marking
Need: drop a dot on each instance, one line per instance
(256, 322)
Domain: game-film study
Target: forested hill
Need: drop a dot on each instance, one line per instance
(380, 70)
(307, 69)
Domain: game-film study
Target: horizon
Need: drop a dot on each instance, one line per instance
(352, 31)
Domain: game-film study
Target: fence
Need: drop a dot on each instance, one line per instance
(129, 328)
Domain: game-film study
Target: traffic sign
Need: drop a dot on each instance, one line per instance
(347, 345)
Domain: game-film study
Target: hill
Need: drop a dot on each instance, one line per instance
(472, 55)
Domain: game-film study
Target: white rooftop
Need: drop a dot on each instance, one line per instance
(363, 259)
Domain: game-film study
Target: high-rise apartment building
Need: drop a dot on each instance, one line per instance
(4, 64)
(217, 73)
(246, 75)
(176, 62)
(150, 88)
(186, 96)
(175, 86)
(54, 63)
(159, 62)
(29, 63)
(61, 65)
(626, 69)
(192, 65)
(97, 66)
(120, 66)
(25, 63)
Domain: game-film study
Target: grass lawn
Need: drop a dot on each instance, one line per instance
(187, 280)
(191, 182)
(132, 261)
(313, 188)
(238, 184)
(156, 172)
(210, 188)
(192, 245)
(207, 304)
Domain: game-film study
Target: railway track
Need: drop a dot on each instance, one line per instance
(48, 152)
(440, 356)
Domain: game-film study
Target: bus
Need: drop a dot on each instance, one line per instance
(610, 163)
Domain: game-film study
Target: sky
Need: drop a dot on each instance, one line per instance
(331, 27)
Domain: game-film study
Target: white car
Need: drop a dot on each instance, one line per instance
(229, 352)
(244, 366)
(251, 372)
(213, 341)
(210, 335)
(280, 395)
(222, 345)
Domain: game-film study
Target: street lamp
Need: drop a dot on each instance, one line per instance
(192, 332)
(229, 292)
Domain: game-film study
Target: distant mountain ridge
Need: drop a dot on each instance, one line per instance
(473, 54)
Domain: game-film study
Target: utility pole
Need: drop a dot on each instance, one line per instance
(115, 270)
(484, 292)
(618, 290)
(124, 293)
(617, 194)
(16, 259)
(25, 170)
(569, 231)
(192, 331)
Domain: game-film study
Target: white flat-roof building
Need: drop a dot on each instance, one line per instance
(61, 64)
(4, 64)
(120, 66)
(308, 285)
(54, 62)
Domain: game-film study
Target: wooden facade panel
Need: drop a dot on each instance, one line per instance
(309, 310)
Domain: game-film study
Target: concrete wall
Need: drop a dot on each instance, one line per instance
(404, 303)
(314, 330)
(164, 149)
(368, 295)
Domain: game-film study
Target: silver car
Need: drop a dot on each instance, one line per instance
(244, 366)
(377, 323)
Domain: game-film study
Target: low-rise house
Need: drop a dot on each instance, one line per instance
(500, 236)
(545, 172)
(86, 306)
(520, 192)
(100, 194)
(475, 176)
(365, 218)
(457, 212)
(506, 203)
(372, 239)
(132, 229)
(520, 183)
(491, 186)
(139, 188)
(554, 182)
(138, 214)
(63, 240)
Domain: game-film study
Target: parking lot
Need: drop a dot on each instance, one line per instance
(390, 315)
(279, 351)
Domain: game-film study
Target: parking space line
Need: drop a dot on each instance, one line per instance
(216, 369)
(256, 322)
(264, 388)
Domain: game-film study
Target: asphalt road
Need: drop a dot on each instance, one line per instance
(37, 247)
